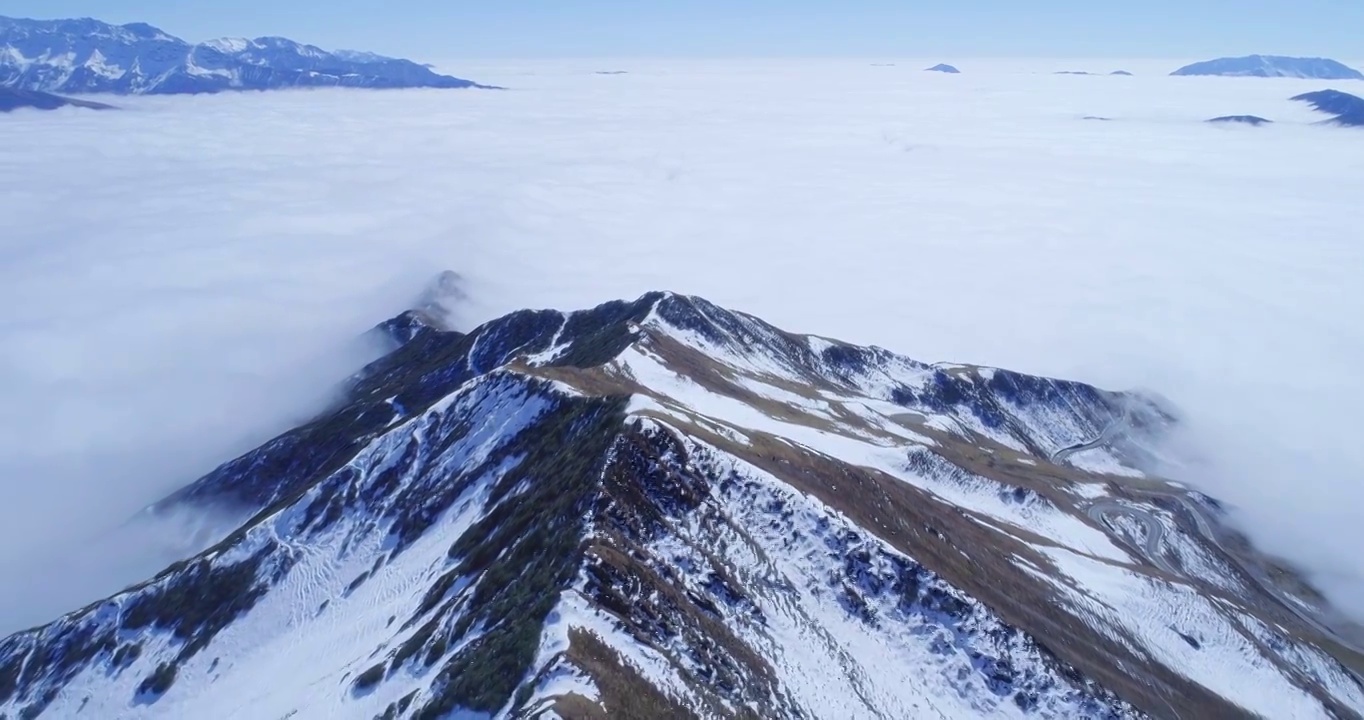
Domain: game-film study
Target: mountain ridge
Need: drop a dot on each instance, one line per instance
(89, 56)
(749, 521)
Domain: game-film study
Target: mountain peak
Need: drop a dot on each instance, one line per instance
(943, 68)
(228, 45)
(143, 31)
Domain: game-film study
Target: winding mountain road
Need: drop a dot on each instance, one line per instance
(1099, 440)
(1155, 529)
(1101, 510)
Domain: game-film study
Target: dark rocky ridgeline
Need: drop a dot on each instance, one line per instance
(12, 99)
(1348, 109)
(523, 554)
(943, 68)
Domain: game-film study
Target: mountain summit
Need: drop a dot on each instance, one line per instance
(663, 508)
(89, 56)
(1273, 66)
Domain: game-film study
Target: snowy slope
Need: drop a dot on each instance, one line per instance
(89, 56)
(666, 509)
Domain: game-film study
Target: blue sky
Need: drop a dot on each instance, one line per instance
(432, 29)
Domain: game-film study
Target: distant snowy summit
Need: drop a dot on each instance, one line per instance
(11, 99)
(943, 68)
(1348, 109)
(1273, 66)
(89, 56)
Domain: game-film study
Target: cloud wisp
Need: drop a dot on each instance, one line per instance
(179, 279)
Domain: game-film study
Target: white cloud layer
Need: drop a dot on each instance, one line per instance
(179, 279)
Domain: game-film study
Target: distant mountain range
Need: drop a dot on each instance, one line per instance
(943, 68)
(11, 99)
(89, 56)
(1273, 66)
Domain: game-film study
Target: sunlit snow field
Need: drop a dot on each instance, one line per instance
(181, 280)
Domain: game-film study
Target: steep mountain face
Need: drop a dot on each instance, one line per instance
(89, 56)
(11, 100)
(1273, 66)
(663, 508)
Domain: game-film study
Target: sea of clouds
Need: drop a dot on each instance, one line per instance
(184, 278)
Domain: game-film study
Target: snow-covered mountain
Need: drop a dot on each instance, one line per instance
(1273, 66)
(662, 508)
(89, 56)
